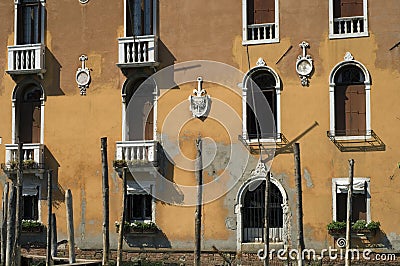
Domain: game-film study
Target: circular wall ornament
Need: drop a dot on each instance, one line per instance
(304, 64)
(83, 1)
(83, 77)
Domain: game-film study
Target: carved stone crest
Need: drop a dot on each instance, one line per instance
(260, 171)
(83, 75)
(200, 102)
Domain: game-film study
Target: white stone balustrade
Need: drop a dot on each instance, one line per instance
(137, 51)
(28, 58)
(258, 32)
(349, 25)
(137, 151)
(31, 151)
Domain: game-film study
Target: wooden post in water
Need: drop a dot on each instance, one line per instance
(106, 208)
(4, 224)
(266, 222)
(49, 215)
(199, 179)
(10, 227)
(53, 235)
(18, 214)
(299, 204)
(122, 221)
(349, 213)
(70, 226)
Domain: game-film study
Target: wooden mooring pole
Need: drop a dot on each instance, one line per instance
(4, 223)
(299, 204)
(49, 215)
(122, 221)
(266, 222)
(199, 179)
(349, 212)
(70, 226)
(10, 227)
(53, 235)
(18, 213)
(106, 208)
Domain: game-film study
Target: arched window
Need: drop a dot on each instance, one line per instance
(261, 108)
(253, 214)
(349, 100)
(139, 103)
(28, 113)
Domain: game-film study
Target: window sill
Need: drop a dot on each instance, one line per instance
(348, 35)
(255, 42)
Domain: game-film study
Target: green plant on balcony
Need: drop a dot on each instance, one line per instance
(137, 227)
(119, 163)
(359, 227)
(32, 226)
(12, 164)
(29, 164)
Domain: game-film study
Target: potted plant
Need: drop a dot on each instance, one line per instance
(336, 228)
(32, 226)
(138, 227)
(359, 227)
(12, 164)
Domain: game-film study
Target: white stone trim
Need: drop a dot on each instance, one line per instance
(344, 180)
(245, 26)
(365, 32)
(332, 85)
(244, 102)
(239, 202)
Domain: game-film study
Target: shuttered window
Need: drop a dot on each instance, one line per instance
(139, 17)
(262, 90)
(139, 207)
(29, 22)
(347, 8)
(350, 102)
(260, 11)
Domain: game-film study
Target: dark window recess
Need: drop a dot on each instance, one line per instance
(260, 11)
(350, 107)
(29, 22)
(139, 17)
(347, 8)
(359, 207)
(30, 115)
(262, 125)
(139, 207)
(139, 112)
(30, 209)
(253, 212)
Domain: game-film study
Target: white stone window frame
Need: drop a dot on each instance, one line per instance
(245, 26)
(155, 16)
(15, 100)
(144, 188)
(128, 83)
(344, 182)
(365, 32)
(278, 91)
(239, 203)
(42, 20)
(349, 61)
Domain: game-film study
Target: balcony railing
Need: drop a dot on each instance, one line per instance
(27, 58)
(261, 32)
(349, 26)
(141, 151)
(32, 156)
(137, 51)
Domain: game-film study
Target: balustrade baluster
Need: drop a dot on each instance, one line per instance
(146, 51)
(358, 25)
(128, 52)
(252, 33)
(28, 60)
(33, 59)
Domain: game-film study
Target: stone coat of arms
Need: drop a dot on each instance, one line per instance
(200, 103)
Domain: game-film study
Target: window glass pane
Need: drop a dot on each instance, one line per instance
(30, 208)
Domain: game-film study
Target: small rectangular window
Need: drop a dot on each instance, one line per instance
(139, 207)
(29, 22)
(139, 17)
